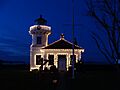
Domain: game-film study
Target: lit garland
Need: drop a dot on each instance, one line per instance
(41, 27)
(79, 50)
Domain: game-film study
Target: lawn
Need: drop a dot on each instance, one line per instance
(88, 77)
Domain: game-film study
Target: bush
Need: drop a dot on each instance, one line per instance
(35, 70)
(46, 69)
(53, 68)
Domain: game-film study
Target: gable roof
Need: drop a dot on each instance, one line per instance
(62, 44)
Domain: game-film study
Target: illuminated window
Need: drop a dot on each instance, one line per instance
(71, 57)
(51, 59)
(39, 60)
(39, 40)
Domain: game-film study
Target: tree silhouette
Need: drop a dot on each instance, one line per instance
(43, 63)
(106, 13)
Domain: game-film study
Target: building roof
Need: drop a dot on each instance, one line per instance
(41, 21)
(62, 44)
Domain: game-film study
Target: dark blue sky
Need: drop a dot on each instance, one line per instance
(16, 16)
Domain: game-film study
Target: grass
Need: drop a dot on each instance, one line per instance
(89, 77)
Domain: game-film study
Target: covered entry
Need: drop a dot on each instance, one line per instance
(62, 62)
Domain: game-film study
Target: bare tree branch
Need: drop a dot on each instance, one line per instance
(101, 50)
(107, 14)
(103, 44)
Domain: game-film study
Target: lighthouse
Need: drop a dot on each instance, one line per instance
(39, 32)
(57, 53)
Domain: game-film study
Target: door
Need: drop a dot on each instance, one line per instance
(62, 62)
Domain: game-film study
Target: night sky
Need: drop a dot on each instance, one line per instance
(16, 16)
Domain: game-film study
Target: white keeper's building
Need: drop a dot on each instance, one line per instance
(58, 53)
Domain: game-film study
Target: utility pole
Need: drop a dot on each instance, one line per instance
(73, 75)
(73, 39)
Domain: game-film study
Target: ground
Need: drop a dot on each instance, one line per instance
(88, 77)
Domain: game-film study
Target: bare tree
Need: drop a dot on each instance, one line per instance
(107, 14)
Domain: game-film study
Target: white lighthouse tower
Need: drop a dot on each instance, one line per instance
(39, 33)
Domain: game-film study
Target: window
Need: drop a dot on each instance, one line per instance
(71, 57)
(39, 60)
(51, 59)
(39, 40)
